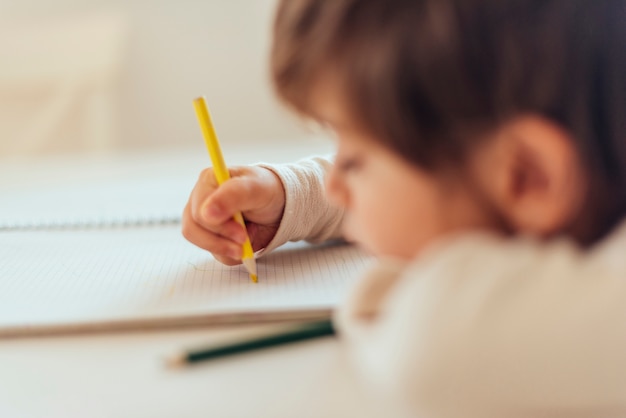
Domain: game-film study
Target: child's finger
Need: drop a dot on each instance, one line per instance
(235, 195)
(204, 187)
(214, 242)
(227, 260)
(226, 227)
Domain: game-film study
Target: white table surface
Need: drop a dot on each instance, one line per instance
(123, 374)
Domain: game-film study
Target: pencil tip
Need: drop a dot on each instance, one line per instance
(250, 265)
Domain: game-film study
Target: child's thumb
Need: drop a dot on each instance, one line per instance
(227, 200)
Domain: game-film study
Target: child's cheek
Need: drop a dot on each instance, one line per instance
(360, 233)
(348, 228)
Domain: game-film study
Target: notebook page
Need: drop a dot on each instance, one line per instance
(98, 204)
(82, 278)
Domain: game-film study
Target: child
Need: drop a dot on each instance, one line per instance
(481, 155)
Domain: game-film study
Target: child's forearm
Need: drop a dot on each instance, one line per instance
(308, 215)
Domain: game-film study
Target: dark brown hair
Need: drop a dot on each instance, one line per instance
(429, 77)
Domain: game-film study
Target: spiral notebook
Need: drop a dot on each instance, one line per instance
(102, 204)
(149, 277)
(112, 257)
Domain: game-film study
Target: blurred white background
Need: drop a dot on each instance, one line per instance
(120, 74)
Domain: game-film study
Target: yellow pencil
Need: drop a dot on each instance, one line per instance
(222, 174)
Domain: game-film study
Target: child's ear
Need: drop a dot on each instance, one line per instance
(536, 178)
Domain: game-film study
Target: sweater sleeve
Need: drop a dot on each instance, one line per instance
(308, 215)
(485, 327)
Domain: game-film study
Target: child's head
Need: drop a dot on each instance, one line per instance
(457, 114)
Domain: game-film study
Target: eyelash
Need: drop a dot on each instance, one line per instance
(348, 164)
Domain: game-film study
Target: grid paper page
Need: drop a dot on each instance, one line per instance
(76, 279)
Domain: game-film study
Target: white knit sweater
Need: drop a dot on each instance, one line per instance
(478, 325)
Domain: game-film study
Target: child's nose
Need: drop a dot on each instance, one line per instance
(336, 190)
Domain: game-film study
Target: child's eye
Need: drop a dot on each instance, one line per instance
(346, 165)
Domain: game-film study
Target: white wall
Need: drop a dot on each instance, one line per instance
(179, 49)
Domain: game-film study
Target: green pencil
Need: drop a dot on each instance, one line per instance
(301, 332)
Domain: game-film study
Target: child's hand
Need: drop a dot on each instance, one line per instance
(208, 217)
